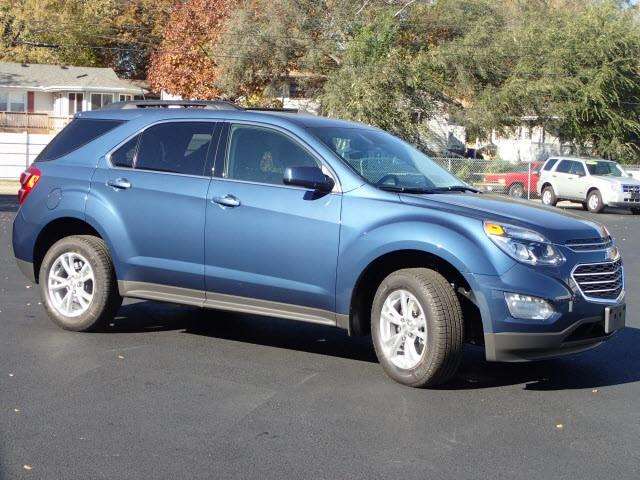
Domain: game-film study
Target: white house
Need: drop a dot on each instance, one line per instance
(36, 101)
(43, 97)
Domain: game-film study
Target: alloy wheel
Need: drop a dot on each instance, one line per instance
(71, 284)
(403, 329)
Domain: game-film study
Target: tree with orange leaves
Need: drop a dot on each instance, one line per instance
(185, 63)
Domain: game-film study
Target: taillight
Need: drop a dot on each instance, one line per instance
(28, 180)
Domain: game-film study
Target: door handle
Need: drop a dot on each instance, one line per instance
(226, 201)
(119, 184)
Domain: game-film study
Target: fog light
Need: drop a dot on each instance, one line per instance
(528, 308)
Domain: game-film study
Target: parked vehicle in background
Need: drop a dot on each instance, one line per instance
(595, 183)
(310, 219)
(520, 182)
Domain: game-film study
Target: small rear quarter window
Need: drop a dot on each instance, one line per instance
(550, 163)
(78, 133)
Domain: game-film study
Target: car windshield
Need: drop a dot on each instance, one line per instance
(387, 162)
(604, 169)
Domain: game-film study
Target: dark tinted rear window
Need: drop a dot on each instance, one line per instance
(78, 133)
(549, 165)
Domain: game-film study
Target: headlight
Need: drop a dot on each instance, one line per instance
(523, 245)
(527, 307)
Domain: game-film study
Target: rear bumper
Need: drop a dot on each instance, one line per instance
(522, 347)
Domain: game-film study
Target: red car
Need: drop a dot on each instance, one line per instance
(516, 183)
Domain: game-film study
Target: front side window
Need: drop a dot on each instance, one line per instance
(78, 133)
(176, 147)
(604, 169)
(386, 161)
(261, 155)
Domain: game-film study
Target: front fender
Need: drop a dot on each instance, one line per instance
(373, 227)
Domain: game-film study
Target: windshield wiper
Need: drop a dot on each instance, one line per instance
(395, 188)
(453, 188)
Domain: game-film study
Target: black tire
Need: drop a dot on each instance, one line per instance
(635, 211)
(592, 206)
(516, 190)
(550, 197)
(106, 298)
(584, 206)
(442, 353)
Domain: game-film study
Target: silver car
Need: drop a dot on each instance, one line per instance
(595, 183)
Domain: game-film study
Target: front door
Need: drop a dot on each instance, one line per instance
(153, 189)
(270, 248)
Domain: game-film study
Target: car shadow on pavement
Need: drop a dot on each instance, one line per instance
(8, 203)
(613, 363)
(616, 362)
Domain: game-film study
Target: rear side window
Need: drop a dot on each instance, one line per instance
(550, 163)
(78, 133)
(176, 147)
(126, 154)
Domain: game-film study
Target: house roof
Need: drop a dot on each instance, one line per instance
(53, 78)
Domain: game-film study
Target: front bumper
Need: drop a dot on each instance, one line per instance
(622, 200)
(576, 325)
(519, 347)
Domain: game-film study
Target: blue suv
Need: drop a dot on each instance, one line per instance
(310, 219)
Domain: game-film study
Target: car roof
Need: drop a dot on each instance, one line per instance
(580, 159)
(273, 117)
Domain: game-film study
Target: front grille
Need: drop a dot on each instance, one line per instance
(589, 244)
(600, 281)
(631, 188)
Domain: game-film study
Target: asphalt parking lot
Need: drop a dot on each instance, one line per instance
(173, 392)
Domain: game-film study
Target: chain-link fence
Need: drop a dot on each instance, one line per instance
(517, 179)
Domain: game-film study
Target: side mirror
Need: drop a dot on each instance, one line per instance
(308, 177)
(630, 175)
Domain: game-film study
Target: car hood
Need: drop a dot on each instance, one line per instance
(555, 225)
(622, 180)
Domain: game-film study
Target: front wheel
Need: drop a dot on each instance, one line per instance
(78, 283)
(594, 202)
(417, 327)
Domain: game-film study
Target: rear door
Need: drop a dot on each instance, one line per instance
(561, 179)
(154, 189)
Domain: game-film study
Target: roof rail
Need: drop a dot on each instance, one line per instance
(204, 104)
(269, 109)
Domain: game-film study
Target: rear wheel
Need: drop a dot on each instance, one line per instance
(78, 283)
(549, 196)
(594, 202)
(417, 327)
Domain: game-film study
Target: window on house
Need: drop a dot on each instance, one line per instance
(13, 102)
(125, 98)
(99, 100)
(75, 103)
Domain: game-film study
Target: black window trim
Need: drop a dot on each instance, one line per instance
(210, 151)
(119, 122)
(222, 157)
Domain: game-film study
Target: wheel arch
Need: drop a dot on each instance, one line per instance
(367, 283)
(55, 230)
